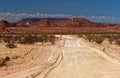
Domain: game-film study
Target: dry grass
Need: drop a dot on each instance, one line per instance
(17, 54)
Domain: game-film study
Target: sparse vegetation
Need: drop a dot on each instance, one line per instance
(28, 39)
(90, 37)
(117, 42)
(11, 40)
(32, 38)
(98, 39)
(3, 61)
(52, 39)
(95, 38)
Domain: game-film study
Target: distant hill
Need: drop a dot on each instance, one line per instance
(71, 22)
(62, 24)
(35, 20)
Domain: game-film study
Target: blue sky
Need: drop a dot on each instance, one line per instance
(88, 8)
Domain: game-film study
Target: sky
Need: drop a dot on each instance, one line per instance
(107, 11)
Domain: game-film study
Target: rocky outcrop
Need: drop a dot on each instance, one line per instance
(3, 25)
(44, 23)
(75, 22)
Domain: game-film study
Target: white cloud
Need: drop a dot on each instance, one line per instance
(12, 17)
(102, 19)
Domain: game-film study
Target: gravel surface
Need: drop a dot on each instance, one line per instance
(70, 58)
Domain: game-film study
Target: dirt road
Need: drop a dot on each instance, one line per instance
(73, 59)
(83, 62)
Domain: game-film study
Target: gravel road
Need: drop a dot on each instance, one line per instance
(73, 59)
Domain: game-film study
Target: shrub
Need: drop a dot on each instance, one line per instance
(79, 35)
(11, 45)
(10, 40)
(28, 39)
(117, 42)
(4, 61)
(44, 38)
(6, 38)
(90, 37)
(111, 40)
(52, 39)
(98, 39)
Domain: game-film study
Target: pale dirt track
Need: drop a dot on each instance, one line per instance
(73, 59)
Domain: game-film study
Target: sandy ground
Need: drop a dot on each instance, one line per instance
(110, 49)
(70, 58)
(80, 61)
(33, 55)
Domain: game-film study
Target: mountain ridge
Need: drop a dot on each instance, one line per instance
(35, 24)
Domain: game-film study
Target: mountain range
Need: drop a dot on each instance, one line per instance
(64, 23)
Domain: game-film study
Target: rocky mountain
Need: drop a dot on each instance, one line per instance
(79, 22)
(75, 22)
(36, 20)
(3, 25)
(62, 23)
